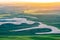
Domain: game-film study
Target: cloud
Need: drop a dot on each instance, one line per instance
(54, 29)
(17, 21)
(24, 20)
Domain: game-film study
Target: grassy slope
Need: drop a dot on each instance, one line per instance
(38, 37)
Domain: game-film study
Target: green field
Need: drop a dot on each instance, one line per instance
(35, 37)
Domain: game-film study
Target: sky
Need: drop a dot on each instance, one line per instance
(44, 5)
(2, 1)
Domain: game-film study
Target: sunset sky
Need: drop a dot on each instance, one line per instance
(35, 5)
(2, 1)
